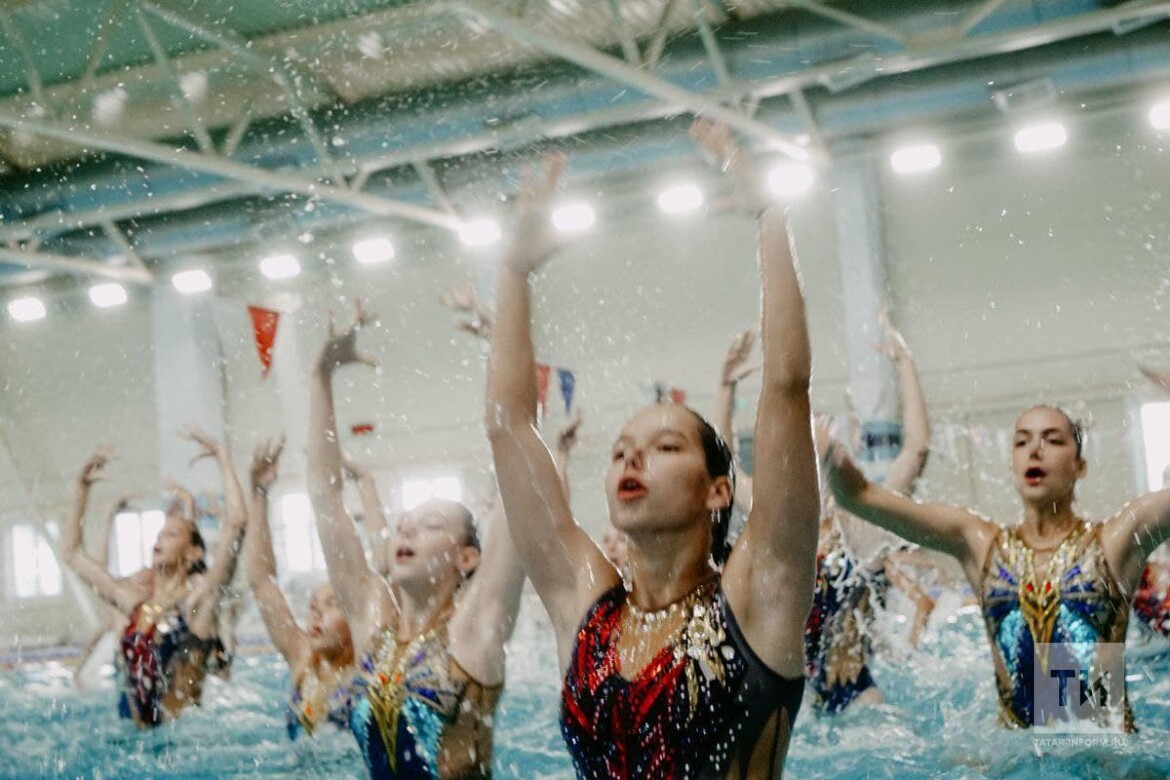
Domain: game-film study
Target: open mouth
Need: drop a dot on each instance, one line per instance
(1033, 475)
(630, 489)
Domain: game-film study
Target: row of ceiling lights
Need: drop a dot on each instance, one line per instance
(786, 180)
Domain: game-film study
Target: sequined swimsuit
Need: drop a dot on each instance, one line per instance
(416, 713)
(1151, 603)
(836, 634)
(154, 649)
(306, 710)
(705, 707)
(1076, 607)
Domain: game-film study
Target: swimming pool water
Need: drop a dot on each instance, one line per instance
(939, 721)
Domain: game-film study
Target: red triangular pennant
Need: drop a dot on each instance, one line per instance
(264, 322)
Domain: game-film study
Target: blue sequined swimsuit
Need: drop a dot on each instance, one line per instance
(417, 714)
(1072, 604)
(302, 716)
(705, 707)
(837, 631)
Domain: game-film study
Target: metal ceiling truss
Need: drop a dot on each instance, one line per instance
(328, 179)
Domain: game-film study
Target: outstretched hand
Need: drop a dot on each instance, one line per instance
(533, 241)
(341, 348)
(473, 316)
(893, 344)
(718, 144)
(567, 433)
(264, 463)
(735, 364)
(209, 447)
(94, 468)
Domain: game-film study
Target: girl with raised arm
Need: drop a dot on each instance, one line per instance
(1053, 588)
(697, 669)
(170, 635)
(429, 638)
(853, 567)
(319, 657)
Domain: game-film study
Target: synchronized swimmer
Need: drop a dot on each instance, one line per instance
(685, 644)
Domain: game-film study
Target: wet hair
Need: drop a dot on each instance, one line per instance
(470, 530)
(200, 565)
(720, 463)
(1075, 426)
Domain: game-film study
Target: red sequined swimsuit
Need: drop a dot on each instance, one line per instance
(705, 707)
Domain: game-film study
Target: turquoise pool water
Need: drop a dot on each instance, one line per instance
(939, 721)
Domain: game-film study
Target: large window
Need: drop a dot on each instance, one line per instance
(1156, 438)
(416, 491)
(34, 566)
(134, 537)
(299, 542)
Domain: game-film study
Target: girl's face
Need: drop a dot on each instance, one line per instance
(1045, 463)
(657, 477)
(430, 544)
(328, 629)
(174, 547)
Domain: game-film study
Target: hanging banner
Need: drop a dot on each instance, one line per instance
(568, 384)
(264, 323)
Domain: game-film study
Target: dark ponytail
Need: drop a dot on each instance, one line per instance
(720, 463)
(200, 566)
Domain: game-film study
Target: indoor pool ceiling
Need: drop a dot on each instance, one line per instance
(134, 133)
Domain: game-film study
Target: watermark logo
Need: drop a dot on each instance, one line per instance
(1079, 689)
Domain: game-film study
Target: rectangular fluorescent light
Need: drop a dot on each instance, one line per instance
(280, 267)
(916, 159)
(373, 250)
(106, 295)
(790, 179)
(1041, 137)
(680, 199)
(26, 309)
(479, 232)
(574, 217)
(194, 281)
(1160, 115)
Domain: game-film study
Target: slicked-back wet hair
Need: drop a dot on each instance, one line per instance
(1075, 427)
(720, 463)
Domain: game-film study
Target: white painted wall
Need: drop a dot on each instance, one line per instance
(1015, 280)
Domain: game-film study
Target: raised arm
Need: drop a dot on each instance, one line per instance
(735, 367)
(231, 532)
(374, 514)
(362, 593)
(182, 501)
(911, 461)
(957, 532)
(260, 561)
(568, 570)
(121, 593)
(471, 314)
(566, 441)
(487, 610)
(769, 577)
